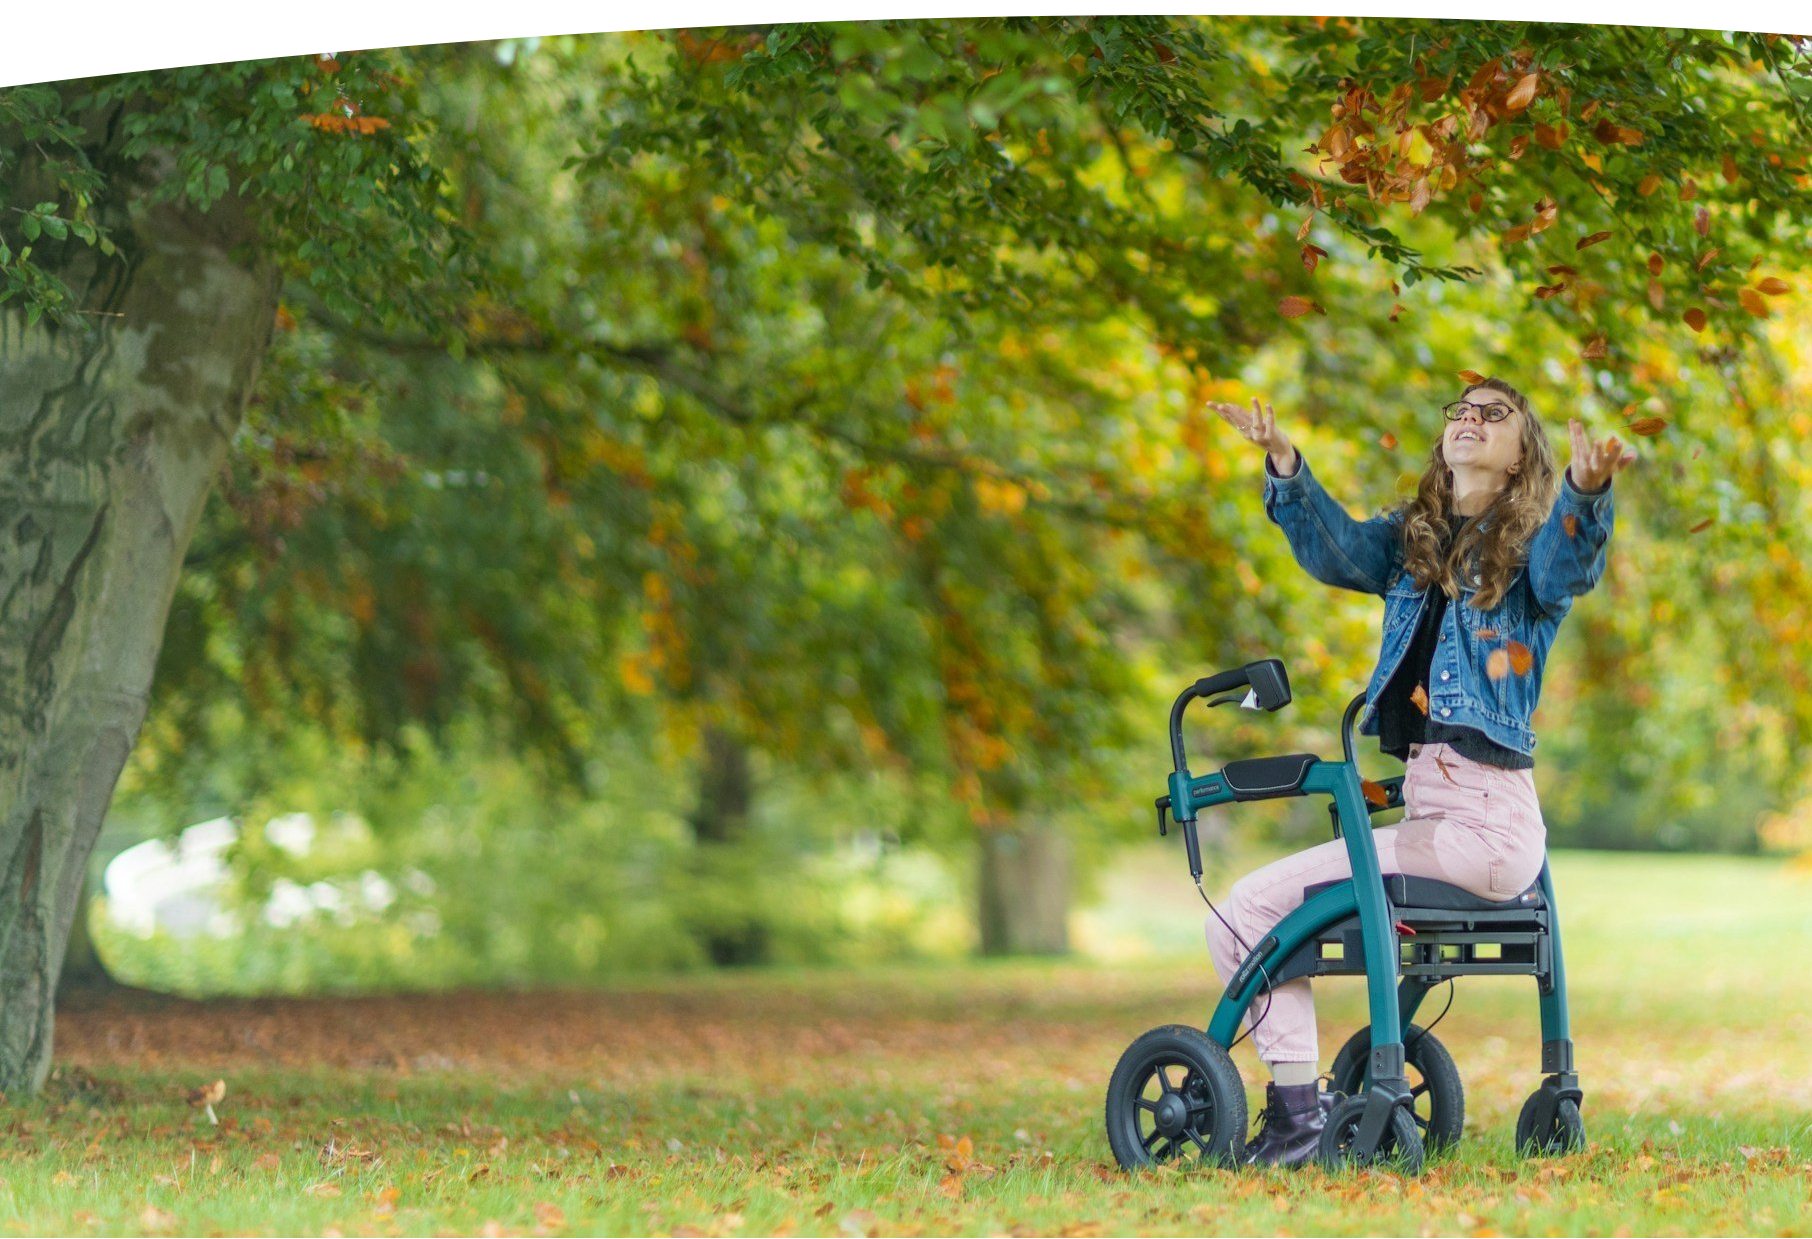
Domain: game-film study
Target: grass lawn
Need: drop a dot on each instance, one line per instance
(946, 1098)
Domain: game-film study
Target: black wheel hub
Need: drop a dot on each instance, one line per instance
(1172, 1114)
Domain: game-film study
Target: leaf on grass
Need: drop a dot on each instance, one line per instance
(1388, 441)
(322, 1189)
(1296, 307)
(1375, 793)
(1594, 239)
(1419, 699)
(951, 1186)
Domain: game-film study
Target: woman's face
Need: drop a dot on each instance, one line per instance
(1475, 443)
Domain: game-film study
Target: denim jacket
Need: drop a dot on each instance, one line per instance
(1564, 559)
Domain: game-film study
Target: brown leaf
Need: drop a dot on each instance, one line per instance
(1551, 136)
(1730, 168)
(1703, 259)
(1520, 232)
(1302, 232)
(1657, 295)
(1648, 425)
(1561, 268)
(1521, 660)
(1419, 699)
(208, 1094)
(1296, 307)
(1475, 202)
(1388, 441)
(1472, 376)
(1543, 292)
(1695, 318)
(1497, 664)
(1701, 221)
(1523, 93)
(1594, 348)
(1594, 239)
(1655, 263)
(1485, 634)
(1649, 184)
(1570, 523)
(1689, 189)
(553, 1217)
(1375, 793)
(951, 1186)
(1312, 256)
(1702, 526)
(1773, 285)
(1752, 301)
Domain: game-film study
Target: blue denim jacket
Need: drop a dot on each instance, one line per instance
(1367, 556)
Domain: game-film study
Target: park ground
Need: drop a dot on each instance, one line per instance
(930, 1098)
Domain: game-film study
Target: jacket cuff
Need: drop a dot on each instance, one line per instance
(1286, 489)
(1591, 501)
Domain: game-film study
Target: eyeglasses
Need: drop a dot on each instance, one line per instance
(1493, 412)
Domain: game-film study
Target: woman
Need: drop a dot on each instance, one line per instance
(1476, 572)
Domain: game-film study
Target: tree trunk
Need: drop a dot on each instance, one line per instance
(111, 434)
(726, 909)
(1025, 892)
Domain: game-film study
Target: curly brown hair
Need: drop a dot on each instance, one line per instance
(1497, 541)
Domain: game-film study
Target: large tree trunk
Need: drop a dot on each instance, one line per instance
(1024, 890)
(727, 917)
(110, 437)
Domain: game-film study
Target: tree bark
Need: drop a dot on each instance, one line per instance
(1024, 890)
(728, 924)
(111, 435)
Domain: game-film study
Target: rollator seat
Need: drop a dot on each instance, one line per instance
(1407, 891)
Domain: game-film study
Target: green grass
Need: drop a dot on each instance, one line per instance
(828, 1102)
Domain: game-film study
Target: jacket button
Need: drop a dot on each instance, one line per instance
(1445, 711)
(1445, 676)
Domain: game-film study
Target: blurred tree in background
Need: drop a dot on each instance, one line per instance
(814, 413)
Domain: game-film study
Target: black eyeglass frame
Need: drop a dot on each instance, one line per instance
(1485, 410)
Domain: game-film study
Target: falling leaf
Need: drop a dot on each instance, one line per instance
(1296, 307)
(1701, 526)
(1689, 189)
(1695, 318)
(1497, 664)
(1704, 258)
(1752, 301)
(1648, 425)
(1594, 349)
(1561, 268)
(1302, 233)
(1419, 699)
(1375, 793)
(1545, 291)
(1701, 221)
(1570, 523)
(1472, 376)
(1521, 660)
(1649, 184)
(1388, 441)
(1445, 772)
(1312, 256)
(1485, 634)
(1774, 286)
(1476, 202)
(1594, 239)
(1655, 263)
(1519, 233)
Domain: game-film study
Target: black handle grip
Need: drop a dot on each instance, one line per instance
(1163, 804)
(1194, 847)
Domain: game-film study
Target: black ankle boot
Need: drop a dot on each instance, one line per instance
(1289, 1126)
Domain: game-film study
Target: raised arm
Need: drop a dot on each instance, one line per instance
(1567, 554)
(1327, 541)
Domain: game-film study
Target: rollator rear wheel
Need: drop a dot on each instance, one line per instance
(1437, 1098)
(1175, 1097)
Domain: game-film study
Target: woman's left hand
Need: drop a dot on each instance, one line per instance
(1595, 464)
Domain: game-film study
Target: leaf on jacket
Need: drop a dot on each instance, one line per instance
(1522, 661)
(1497, 664)
(1570, 523)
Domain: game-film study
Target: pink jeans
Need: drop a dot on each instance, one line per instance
(1467, 823)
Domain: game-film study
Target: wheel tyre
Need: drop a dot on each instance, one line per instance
(1565, 1134)
(1197, 1069)
(1437, 1102)
(1401, 1146)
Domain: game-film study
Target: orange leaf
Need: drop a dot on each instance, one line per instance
(1703, 259)
(1485, 634)
(1296, 307)
(1375, 793)
(1702, 526)
(1773, 286)
(1570, 523)
(1388, 441)
(1649, 184)
(1519, 233)
(1549, 290)
(1497, 664)
(1312, 256)
(1445, 773)
(1472, 376)
(1701, 221)
(1730, 168)
(1302, 233)
(1752, 301)
(1523, 93)
(1419, 699)
(1648, 425)
(1594, 239)
(1560, 268)
(1594, 349)
(1695, 318)
(1655, 263)
(1689, 189)
(1521, 660)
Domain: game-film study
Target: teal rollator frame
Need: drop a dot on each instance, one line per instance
(1175, 1092)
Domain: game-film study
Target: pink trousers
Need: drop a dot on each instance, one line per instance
(1467, 823)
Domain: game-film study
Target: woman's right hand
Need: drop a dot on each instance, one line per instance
(1259, 425)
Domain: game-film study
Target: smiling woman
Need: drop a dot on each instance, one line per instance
(1476, 570)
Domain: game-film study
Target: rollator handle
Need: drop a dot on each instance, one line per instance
(1194, 847)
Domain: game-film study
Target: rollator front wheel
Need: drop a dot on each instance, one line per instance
(1400, 1147)
(1565, 1131)
(1175, 1097)
(1437, 1098)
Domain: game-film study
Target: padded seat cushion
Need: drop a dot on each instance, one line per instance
(1406, 891)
